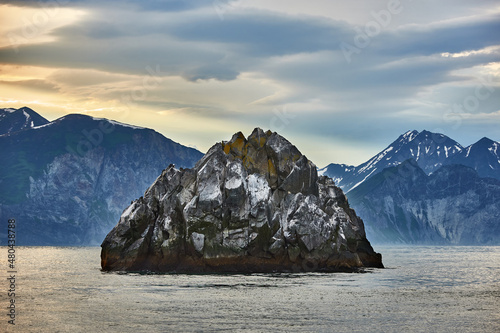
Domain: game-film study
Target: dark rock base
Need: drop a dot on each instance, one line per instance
(344, 262)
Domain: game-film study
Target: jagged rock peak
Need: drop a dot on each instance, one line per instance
(270, 155)
(251, 204)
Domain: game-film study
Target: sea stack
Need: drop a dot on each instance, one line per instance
(249, 205)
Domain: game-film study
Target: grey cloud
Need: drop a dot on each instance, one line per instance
(127, 55)
(206, 72)
(172, 5)
(39, 85)
(366, 98)
(263, 34)
(452, 38)
(150, 5)
(84, 78)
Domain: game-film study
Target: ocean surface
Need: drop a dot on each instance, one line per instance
(423, 289)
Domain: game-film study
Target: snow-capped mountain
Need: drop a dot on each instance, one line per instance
(430, 150)
(14, 120)
(425, 188)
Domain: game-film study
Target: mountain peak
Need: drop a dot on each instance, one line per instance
(430, 150)
(15, 120)
(409, 135)
(484, 141)
(78, 117)
(272, 156)
(426, 133)
(437, 137)
(25, 108)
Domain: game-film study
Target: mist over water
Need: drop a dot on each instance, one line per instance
(423, 289)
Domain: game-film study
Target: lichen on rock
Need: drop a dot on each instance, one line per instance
(251, 204)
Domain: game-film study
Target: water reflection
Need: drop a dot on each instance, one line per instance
(423, 289)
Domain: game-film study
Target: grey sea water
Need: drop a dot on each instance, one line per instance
(423, 289)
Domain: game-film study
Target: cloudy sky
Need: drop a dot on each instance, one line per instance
(339, 79)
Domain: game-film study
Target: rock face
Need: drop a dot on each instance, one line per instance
(249, 205)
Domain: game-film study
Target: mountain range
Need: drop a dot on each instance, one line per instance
(430, 150)
(67, 181)
(425, 188)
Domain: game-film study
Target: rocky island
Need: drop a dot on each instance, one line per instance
(251, 204)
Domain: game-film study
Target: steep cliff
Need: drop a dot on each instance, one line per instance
(249, 205)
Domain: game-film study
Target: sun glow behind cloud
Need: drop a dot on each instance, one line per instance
(488, 50)
(33, 25)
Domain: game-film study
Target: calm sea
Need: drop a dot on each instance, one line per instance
(423, 289)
